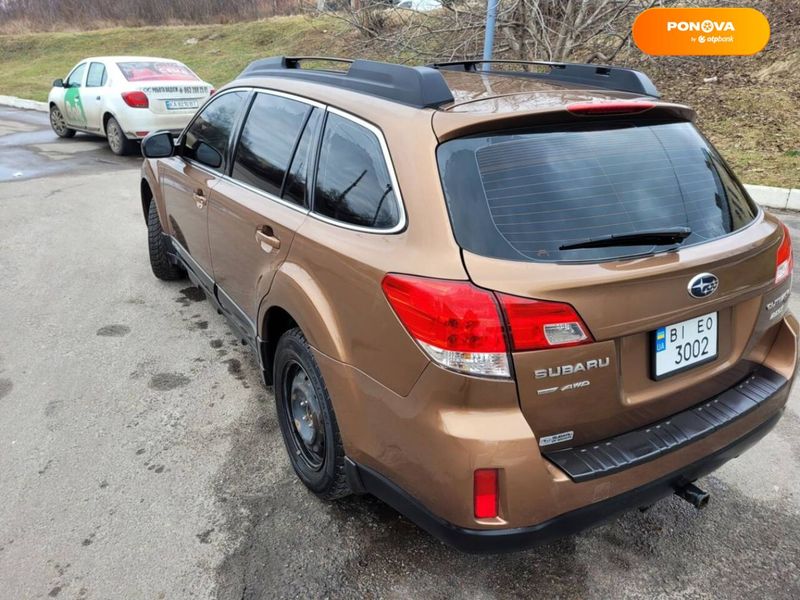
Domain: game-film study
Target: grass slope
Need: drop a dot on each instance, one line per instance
(217, 53)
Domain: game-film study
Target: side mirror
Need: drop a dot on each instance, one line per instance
(58, 83)
(158, 144)
(208, 155)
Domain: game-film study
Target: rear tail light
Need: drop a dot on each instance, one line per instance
(457, 324)
(784, 263)
(136, 99)
(610, 108)
(485, 494)
(536, 325)
(460, 326)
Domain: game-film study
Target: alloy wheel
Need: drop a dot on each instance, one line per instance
(113, 134)
(57, 121)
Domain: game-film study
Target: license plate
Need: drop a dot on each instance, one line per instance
(181, 104)
(684, 345)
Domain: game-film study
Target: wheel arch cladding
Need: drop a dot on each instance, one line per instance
(106, 116)
(146, 195)
(277, 321)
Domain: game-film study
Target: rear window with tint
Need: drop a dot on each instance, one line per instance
(156, 71)
(521, 196)
(353, 183)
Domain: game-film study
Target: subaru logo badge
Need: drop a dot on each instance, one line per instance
(703, 285)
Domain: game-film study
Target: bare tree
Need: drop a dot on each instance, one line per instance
(554, 30)
(48, 14)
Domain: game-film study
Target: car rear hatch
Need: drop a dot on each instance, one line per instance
(170, 87)
(536, 212)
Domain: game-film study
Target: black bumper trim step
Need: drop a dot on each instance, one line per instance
(641, 445)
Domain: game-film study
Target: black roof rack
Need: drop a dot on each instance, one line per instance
(422, 87)
(602, 76)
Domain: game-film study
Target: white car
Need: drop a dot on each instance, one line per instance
(420, 5)
(125, 97)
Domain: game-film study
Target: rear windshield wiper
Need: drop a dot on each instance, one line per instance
(658, 237)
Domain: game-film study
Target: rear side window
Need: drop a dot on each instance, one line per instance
(156, 71)
(208, 137)
(353, 183)
(524, 196)
(96, 76)
(268, 138)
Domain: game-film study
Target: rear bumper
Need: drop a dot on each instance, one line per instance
(419, 451)
(507, 540)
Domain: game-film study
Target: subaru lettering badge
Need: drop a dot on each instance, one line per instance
(703, 285)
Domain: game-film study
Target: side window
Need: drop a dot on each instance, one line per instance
(295, 190)
(96, 76)
(353, 183)
(267, 141)
(75, 78)
(207, 139)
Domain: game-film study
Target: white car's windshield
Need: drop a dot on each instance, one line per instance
(153, 70)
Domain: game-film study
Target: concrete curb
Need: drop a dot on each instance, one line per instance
(15, 102)
(775, 197)
(771, 197)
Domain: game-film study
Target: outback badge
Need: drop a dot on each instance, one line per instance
(703, 285)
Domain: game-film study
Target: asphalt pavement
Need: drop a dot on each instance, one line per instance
(140, 456)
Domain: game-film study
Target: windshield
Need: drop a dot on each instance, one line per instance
(536, 196)
(156, 71)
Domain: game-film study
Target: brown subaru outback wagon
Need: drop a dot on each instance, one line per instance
(509, 300)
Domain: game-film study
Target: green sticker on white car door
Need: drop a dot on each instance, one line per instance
(74, 107)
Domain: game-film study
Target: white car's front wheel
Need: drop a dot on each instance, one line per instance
(59, 123)
(119, 144)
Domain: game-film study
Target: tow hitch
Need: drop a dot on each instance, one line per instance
(693, 495)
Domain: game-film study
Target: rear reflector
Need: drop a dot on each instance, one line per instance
(136, 99)
(485, 494)
(609, 108)
(141, 134)
(784, 262)
(456, 323)
(536, 324)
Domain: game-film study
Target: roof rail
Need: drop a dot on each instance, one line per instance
(602, 76)
(421, 87)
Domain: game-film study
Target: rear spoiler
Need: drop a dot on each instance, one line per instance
(449, 124)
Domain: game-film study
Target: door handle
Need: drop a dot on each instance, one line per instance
(266, 237)
(199, 199)
(97, 98)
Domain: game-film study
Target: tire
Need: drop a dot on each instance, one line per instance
(296, 377)
(119, 144)
(59, 123)
(157, 245)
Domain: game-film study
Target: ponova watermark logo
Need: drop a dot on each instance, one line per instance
(701, 31)
(707, 26)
